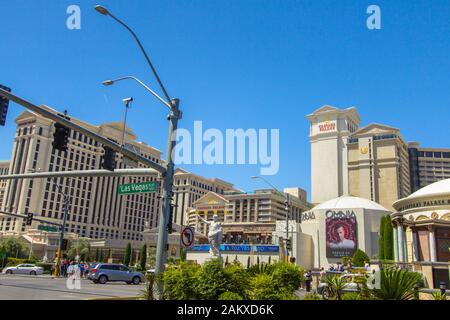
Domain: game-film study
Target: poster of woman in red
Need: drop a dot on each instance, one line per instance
(340, 233)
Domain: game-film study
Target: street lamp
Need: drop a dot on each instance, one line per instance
(107, 83)
(174, 116)
(102, 10)
(285, 195)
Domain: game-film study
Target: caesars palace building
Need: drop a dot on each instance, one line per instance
(96, 210)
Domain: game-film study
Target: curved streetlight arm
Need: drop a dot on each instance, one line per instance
(142, 84)
(146, 57)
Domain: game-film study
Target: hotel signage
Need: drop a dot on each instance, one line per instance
(327, 126)
(425, 203)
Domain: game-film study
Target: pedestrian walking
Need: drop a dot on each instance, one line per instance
(308, 280)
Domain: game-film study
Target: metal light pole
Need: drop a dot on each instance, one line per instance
(174, 116)
(63, 227)
(286, 208)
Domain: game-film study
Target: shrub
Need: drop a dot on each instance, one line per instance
(287, 276)
(263, 287)
(397, 284)
(388, 239)
(353, 296)
(180, 281)
(237, 278)
(14, 247)
(381, 239)
(143, 257)
(15, 262)
(213, 280)
(438, 295)
(261, 268)
(46, 266)
(230, 296)
(360, 258)
(335, 285)
(312, 296)
(127, 258)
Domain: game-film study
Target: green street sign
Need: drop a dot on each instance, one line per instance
(132, 188)
(47, 228)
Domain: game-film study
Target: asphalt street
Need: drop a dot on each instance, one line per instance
(25, 287)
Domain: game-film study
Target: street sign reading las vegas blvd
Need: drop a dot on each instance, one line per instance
(133, 188)
(47, 228)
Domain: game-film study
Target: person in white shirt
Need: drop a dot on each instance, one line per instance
(74, 276)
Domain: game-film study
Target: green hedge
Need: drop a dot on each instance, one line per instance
(46, 266)
(14, 262)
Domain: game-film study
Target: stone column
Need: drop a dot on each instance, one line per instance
(432, 240)
(401, 247)
(396, 256)
(241, 210)
(415, 240)
(249, 205)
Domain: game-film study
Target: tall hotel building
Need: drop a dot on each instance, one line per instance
(427, 165)
(330, 129)
(378, 165)
(189, 187)
(370, 162)
(4, 169)
(247, 216)
(96, 210)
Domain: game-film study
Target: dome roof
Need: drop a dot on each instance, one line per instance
(440, 187)
(350, 202)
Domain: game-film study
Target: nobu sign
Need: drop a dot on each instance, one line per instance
(132, 188)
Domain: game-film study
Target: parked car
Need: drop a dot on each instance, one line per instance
(30, 269)
(104, 272)
(351, 285)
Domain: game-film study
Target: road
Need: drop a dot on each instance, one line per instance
(24, 287)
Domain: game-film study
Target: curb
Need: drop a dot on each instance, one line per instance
(115, 298)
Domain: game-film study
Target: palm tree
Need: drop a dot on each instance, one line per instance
(335, 284)
(397, 284)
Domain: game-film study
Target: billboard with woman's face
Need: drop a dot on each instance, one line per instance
(341, 233)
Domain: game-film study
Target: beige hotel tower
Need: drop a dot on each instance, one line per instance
(371, 162)
(330, 129)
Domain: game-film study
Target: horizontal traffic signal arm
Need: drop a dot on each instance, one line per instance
(83, 173)
(102, 140)
(25, 216)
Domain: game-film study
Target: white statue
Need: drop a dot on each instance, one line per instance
(215, 235)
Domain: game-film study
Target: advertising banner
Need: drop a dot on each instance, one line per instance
(341, 235)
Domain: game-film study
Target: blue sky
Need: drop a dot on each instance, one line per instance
(236, 64)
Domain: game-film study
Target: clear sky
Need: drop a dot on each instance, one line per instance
(235, 64)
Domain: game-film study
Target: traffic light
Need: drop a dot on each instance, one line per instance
(288, 244)
(29, 219)
(61, 137)
(65, 244)
(109, 159)
(4, 103)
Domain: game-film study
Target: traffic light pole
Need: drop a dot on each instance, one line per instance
(102, 140)
(161, 249)
(287, 226)
(63, 227)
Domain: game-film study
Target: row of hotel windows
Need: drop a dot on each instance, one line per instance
(375, 138)
(194, 183)
(430, 154)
